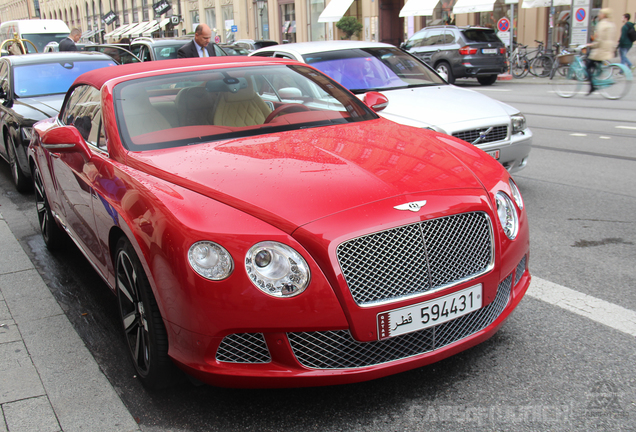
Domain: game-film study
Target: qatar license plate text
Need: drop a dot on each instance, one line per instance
(428, 314)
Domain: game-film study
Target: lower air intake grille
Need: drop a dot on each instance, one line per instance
(521, 268)
(243, 348)
(338, 350)
(488, 134)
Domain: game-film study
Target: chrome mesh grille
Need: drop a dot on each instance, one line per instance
(521, 268)
(338, 350)
(243, 348)
(497, 133)
(416, 258)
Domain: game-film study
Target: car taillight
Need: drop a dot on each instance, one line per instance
(502, 50)
(467, 50)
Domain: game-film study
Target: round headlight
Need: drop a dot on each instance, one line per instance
(277, 269)
(507, 215)
(516, 195)
(210, 260)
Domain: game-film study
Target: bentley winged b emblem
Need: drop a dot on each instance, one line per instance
(414, 206)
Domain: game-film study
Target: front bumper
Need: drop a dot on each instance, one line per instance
(329, 357)
(513, 153)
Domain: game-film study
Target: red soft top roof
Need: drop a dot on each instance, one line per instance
(98, 77)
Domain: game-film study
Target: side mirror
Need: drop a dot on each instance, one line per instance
(65, 139)
(375, 100)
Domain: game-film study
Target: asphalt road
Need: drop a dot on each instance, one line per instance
(548, 368)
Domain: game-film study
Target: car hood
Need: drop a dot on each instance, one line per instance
(292, 178)
(445, 108)
(38, 108)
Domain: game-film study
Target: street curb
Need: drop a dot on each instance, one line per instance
(64, 380)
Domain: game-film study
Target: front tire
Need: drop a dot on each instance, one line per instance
(445, 71)
(143, 326)
(566, 82)
(20, 180)
(487, 80)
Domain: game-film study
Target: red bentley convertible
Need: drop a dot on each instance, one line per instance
(263, 227)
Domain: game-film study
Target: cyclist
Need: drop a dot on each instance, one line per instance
(625, 43)
(604, 45)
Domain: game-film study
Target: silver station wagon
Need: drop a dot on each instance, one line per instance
(417, 95)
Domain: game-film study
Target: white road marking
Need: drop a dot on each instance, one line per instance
(605, 137)
(609, 314)
(626, 127)
(492, 89)
(578, 134)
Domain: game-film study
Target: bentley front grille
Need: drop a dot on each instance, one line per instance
(483, 135)
(416, 258)
(243, 348)
(338, 350)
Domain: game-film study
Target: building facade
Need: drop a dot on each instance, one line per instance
(303, 20)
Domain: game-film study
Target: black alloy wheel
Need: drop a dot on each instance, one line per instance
(142, 323)
(22, 182)
(54, 236)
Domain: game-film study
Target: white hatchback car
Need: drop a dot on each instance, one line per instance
(417, 95)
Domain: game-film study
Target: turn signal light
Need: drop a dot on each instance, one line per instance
(467, 50)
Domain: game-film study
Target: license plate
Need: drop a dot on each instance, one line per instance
(494, 153)
(489, 51)
(428, 314)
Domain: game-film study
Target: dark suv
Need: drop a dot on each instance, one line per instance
(460, 52)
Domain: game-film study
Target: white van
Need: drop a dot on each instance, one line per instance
(38, 31)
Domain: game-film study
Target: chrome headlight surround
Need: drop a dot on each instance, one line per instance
(516, 195)
(518, 123)
(277, 269)
(210, 260)
(507, 215)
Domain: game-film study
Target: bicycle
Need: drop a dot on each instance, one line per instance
(544, 66)
(519, 61)
(613, 81)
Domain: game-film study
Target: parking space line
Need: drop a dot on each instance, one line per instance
(609, 314)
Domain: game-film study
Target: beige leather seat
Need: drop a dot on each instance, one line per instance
(243, 108)
(140, 116)
(196, 106)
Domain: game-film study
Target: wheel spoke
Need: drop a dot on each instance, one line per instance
(130, 320)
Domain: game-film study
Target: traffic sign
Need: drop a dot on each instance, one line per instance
(580, 14)
(503, 25)
(217, 39)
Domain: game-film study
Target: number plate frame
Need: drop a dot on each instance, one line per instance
(421, 316)
(489, 50)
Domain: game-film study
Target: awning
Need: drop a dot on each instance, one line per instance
(334, 11)
(156, 26)
(528, 4)
(122, 29)
(138, 31)
(470, 6)
(89, 33)
(112, 33)
(135, 29)
(418, 8)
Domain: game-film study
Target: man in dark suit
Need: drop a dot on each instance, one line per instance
(200, 45)
(68, 44)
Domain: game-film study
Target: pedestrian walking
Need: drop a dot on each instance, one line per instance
(604, 45)
(625, 42)
(68, 44)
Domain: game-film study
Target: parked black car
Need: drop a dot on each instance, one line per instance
(32, 88)
(460, 52)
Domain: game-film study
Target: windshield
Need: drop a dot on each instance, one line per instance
(189, 108)
(361, 70)
(51, 78)
(41, 39)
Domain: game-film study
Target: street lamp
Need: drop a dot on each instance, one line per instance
(260, 4)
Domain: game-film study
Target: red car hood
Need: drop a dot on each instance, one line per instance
(292, 178)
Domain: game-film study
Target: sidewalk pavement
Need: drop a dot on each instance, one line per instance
(49, 381)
